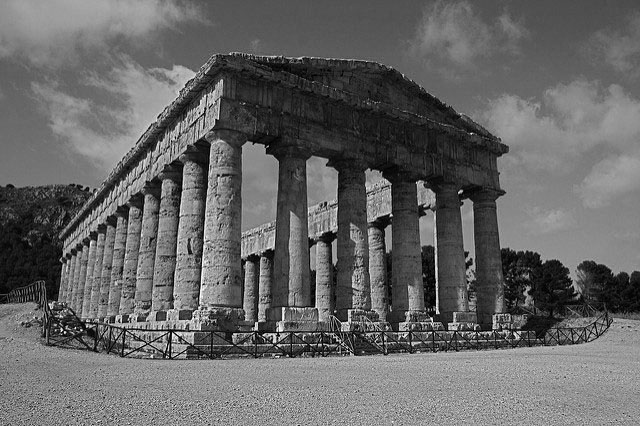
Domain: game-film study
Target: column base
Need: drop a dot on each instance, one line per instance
(419, 326)
(157, 316)
(121, 319)
(110, 319)
(409, 316)
(509, 321)
(287, 318)
(220, 319)
(138, 317)
(179, 314)
(464, 321)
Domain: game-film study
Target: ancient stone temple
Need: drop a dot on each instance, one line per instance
(161, 240)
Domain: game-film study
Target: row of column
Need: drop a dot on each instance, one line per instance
(176, 246)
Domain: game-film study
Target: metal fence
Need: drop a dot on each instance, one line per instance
(34, 292)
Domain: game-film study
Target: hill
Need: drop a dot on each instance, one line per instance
(30, 220)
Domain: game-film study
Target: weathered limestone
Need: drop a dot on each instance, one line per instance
(489, 279)
(265, 284)
(165, 263)
(186, 289)
(78, 295)
(407, 286)
(96, 279)
(64, 271)
(107, 264)
(378, 268)
(132, 249)
(451, 289)
(291, 257)
(117, 264)
(325, 294)
(221, 284)
(88, 284)
(250, 297)
(353, 285)
(73, 300)
(147, 254)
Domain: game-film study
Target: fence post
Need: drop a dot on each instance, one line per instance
(410, 342)
(384, 345)
(124, 335)
(255, 344)
(291, 344)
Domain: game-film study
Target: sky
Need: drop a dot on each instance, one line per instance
(559, 82)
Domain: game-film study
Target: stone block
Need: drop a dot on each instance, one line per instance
(157, 316)
(179, 314)
(291, 314)
(300, 326)
(361, 315)
(509, 321)
(465, 317)
(122, 319)
(420, 326)
(137, 318)
(463, 326)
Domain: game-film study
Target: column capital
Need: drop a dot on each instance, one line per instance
(266, 253)
(86, 241)
(194, 154)
(232, 137)
(485, 195)
(380, 223)
(251, 258)
(69, 255)
(396, 175)
(111, 221)
(102, 228)
(171, 172)
(344, 164)
(151, 188)
(122, 211)
(136, 200)
(93, 235)
(326, 237)
(288, 149)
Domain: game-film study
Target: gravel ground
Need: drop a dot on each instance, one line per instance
(596, 383)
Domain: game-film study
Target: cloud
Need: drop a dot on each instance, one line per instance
(619, 47)
(57, 33)
(120, 105)
(255, 46)
(452, 33)
(548, 221)
(609, 179)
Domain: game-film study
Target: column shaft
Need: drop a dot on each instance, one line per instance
(88, 283)
(325, 294)
(250, 297)
(73, 294)
(117, 265)
(221, 261)
(451, 289)
(147, 254)
(64, 271)
(292, 286)
(165, 263)
(353, 289)
(132, 248)
(96, 280)
(186, 288)
(378, 270)
(489, 279)
(107, 263)
(265, 283)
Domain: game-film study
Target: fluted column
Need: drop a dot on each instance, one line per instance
(117, 264)
(107, 266)
(378, 267)
(88, 282)
(73, 295)
(489, 279)
(292, 286)
(132, 248)
(353, 289)
(407, 286)
(78, 297)
(250, 297)
(69, 282)
(325, 294)
(147, 254)
(221, 279)
(451, 288)
(265, 283)
(165, 263)
(64, 271)
(96, 280)
(186, 287)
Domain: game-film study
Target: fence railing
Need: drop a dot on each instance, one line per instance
(34, 292)
(189, 344)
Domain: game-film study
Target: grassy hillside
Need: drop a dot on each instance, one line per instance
(30, 220)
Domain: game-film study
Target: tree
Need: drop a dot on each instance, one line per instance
(519, 270)
(553, 288)
(596, 283)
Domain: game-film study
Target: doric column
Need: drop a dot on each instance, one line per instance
(147, 254)
(82, 279)
(186, 287)
(88, 283)
(69, 281)
(165, 263)
(451, 288)
(250, 297)
(96, 280)
(489, 279)
(353, 289)
(73, 299)
(325, 294)
(131, 252)
(221, 262)
(107, 264)
(117, 264)
(292, 286)
(64, 271)
(265, 283)
(378, 267)
(407, 286)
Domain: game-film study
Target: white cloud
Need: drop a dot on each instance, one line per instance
(103, 128)
(56, 33)
(609, 179)
(452, 32)
(548, 221)
(619, 47)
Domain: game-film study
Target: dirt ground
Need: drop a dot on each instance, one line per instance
(596, 383)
